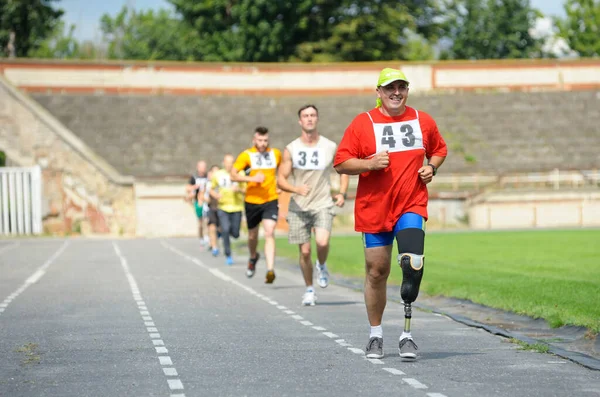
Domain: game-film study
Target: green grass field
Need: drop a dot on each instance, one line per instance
(554, 275)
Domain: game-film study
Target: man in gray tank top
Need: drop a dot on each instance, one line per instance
(305, 172)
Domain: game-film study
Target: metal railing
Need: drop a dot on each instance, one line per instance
(20, 200)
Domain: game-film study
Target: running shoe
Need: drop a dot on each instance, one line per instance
(408, 348)
(252, 266)
(309, 298)
(374, 348)
(322, 275)
(270, 277)
(229, 261)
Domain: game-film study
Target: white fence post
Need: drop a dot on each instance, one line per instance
(20, 200)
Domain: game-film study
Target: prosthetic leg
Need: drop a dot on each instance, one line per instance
(411, 261)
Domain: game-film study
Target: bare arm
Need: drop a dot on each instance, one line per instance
(235, 177)
(283, 173)
(356, 166)
(426, 172)
(340, 198)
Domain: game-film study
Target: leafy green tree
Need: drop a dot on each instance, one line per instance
(62, 44)
(30, 22)
(148, 35)
(307, 30)
(490, 29)
(581, 26)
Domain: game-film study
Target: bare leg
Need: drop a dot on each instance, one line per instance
(253, 241)
(269, 228)
(377, 271)
(212, 234)
(322, 240)
(306, 263)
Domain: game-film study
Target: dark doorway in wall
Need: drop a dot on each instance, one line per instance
(2, 159)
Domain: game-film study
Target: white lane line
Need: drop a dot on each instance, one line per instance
(35, 277)
(159, 344)
(374, 361)
(281, 307)
(9, 247)
(177, 395)
(170, 371)
(435, 395)
(342, 342)
(175, 384)
(356, 351)
(165, 360)
(414, 383)
(394, 371)
(305, 322)
(411, 381)
(297, 317)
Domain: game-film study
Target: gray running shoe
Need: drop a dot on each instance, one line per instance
(374, 348)
(408, 348)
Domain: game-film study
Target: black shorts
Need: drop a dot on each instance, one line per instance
(255, 213)
(213, 217)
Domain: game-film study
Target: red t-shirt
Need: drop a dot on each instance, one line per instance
(385, 195)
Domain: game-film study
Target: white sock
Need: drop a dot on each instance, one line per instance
(310, 289)
(376, 332)
(319, 265)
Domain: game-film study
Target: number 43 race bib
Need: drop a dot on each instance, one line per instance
(398, 137)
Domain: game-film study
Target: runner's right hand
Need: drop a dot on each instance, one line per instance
(380, 161)
(303, 190)
(259, 177)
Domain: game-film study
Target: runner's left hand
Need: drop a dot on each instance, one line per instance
(426, 174)
(339, 200)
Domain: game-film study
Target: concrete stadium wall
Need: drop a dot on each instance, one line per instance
(81, 192)
(535, 209)
(209, 78)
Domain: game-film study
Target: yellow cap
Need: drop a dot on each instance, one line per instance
(388, 76)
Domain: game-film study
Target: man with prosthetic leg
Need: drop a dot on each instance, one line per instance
(411, 241)
(396, 150)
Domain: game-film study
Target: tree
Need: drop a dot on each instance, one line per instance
(30, 22)
(490, 29)
(148, 35)
(307, 30)
(581, 26)
(60, 44)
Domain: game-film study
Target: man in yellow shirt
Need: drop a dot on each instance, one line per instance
(230, 197)
(259, 164)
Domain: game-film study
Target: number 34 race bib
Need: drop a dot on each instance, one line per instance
(308, 159)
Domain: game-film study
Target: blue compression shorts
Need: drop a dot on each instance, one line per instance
(409, 220)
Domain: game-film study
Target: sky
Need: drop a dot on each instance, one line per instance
(85, 14)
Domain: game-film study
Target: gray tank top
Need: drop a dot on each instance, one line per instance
(312, 165)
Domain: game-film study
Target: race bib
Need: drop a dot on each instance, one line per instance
(201, 182)
(398, 137)
(262, 161)
(309, 159)
(224, 181)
